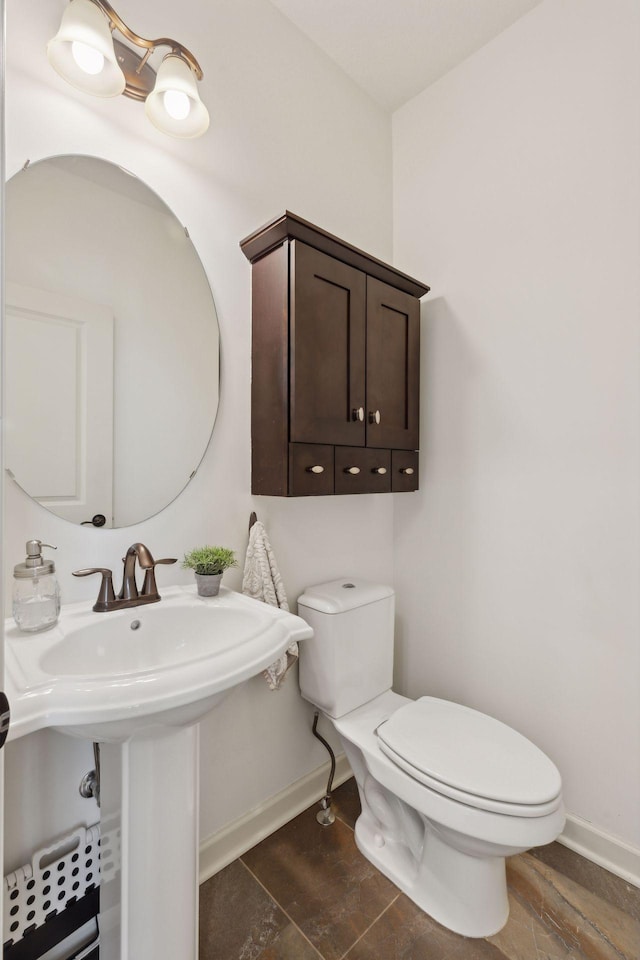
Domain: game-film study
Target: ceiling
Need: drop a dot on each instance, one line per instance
(393, 49)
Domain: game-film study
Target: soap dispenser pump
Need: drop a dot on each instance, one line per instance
(36, 594)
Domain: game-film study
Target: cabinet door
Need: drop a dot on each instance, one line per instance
(327, 317)
(393, 364)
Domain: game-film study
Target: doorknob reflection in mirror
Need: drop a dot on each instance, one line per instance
(84, 53)
(98, 520)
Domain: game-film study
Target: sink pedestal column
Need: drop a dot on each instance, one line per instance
(149, 901)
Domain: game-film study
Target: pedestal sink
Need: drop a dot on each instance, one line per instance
(138, 681)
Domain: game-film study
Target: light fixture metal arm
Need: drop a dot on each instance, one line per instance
(149, 45)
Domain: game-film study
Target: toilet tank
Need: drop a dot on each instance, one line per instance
(349, 659)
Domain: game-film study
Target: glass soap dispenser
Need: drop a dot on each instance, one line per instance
(36, 594)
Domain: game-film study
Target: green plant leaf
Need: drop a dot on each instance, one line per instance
(209, 560)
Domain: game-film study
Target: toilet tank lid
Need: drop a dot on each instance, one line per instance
(347, 593)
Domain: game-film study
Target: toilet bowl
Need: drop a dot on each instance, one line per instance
(446, 792)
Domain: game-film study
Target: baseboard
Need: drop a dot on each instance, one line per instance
(239, 836)
(609, 852)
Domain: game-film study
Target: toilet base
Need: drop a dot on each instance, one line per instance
(466, 894)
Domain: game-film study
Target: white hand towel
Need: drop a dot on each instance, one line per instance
(262, 581)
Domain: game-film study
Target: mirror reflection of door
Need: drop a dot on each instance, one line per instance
(59, 426)
(84, 229)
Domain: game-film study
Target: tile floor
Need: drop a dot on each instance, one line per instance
(306, 893)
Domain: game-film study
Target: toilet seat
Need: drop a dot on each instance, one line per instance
(470, 757)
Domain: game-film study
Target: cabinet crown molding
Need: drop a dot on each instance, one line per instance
(289, 226)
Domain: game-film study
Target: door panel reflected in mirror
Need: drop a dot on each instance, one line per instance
(112, 343)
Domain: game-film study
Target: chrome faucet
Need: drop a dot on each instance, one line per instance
(129, 595)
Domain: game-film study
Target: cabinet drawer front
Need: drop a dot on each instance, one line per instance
(327, 331)
(393, 367)
(357, 470)
(311, 469)
(404, 470)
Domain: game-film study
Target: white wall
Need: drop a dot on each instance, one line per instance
(288, 131)
(516, 195)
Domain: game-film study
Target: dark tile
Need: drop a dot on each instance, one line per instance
(240, 921)
(346, 802)
(404, 932)
(526, 936)
(604, 884)
(317, 875)
(580, 918)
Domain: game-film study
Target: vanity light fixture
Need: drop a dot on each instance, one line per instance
(86, 54)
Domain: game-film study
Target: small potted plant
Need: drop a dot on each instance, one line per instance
(209, 563)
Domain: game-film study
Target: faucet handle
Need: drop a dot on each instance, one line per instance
(106, 596)
(149, 587)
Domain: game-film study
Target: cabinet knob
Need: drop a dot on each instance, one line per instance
(380, 470)
(357, 414)
(352, 470)
(408, 470)
(315, 469)
(374, 416)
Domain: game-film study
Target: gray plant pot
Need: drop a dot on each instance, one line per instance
(208, 584)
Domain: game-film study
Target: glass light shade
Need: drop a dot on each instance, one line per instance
(175, 75)
(85, 23)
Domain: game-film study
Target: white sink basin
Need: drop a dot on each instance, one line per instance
(138, 641)
(110, 676)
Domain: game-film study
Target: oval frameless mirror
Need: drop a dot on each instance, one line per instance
(112, 346)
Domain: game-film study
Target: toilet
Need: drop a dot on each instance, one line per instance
(446, 792)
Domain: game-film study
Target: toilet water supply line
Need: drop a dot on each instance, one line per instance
(325, 816)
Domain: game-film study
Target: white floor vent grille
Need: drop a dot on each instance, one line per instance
(57, 876)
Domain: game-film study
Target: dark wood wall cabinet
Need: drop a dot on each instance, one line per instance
(335, 366)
